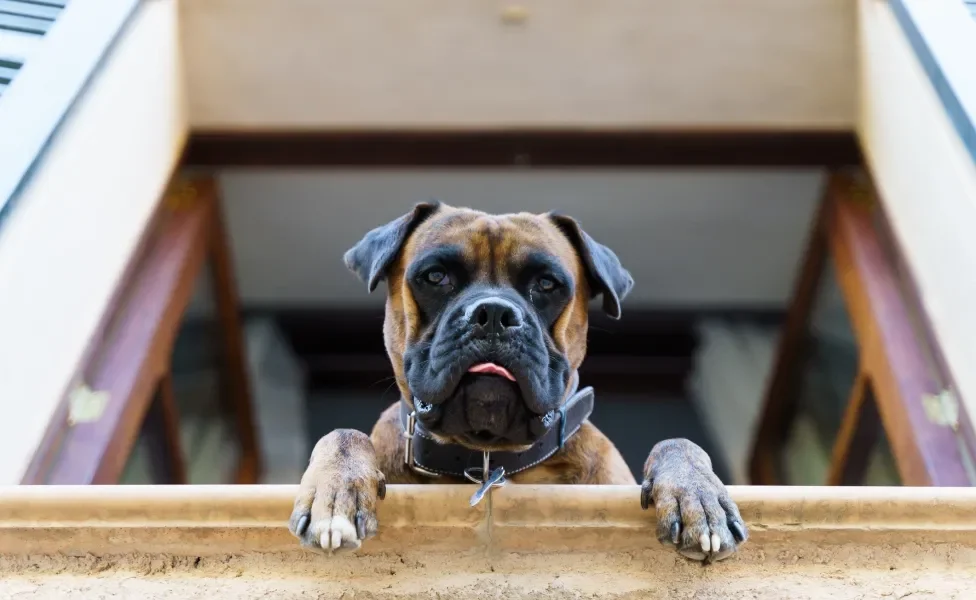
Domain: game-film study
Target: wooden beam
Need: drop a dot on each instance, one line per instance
(162, 428)
(134, 355)
(524, 149)
(859, 430)
(892, 352)
(132, 360)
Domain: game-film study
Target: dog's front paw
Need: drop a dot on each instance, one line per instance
(694, 511)
(336, 504)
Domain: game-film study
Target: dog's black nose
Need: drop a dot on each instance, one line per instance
(493, 316)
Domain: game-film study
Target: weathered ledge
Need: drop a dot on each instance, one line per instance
(527, 541)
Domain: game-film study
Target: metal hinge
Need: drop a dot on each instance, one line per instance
(942, 408)
(86, 405)
(182, 195)
(860, 192)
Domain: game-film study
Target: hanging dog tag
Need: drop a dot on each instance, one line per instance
(495, 478)
(488, 479)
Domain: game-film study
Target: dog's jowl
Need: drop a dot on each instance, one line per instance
(486, 321)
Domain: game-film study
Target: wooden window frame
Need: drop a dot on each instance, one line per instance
(897, 364)
(130, 358)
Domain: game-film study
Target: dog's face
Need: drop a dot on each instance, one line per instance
(486, 316)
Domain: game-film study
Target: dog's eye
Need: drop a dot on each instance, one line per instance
(546, 284)
(437, 277)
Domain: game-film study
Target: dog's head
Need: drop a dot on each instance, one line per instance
(486, 316)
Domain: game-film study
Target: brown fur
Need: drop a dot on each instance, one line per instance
(491, 242)
(346, 466)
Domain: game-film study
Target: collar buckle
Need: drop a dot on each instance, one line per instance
(408, 459)
(408, 438)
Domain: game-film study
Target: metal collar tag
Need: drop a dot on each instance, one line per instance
(487, 479)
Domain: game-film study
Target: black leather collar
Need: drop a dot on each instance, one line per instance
(429, 457)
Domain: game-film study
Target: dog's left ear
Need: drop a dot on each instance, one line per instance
(603, 269)
(371, 258)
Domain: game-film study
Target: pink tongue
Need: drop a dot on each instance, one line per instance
(492, 369)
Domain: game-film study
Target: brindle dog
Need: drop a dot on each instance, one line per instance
(486, 322)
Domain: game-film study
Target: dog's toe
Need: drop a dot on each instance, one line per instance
(337, 533)
(695, 513)
(339, 519)
(335, 509)
(692, 519)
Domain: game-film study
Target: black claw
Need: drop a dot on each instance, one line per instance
(675, 532)
(646, 498)
(738, 531)
(302, 526)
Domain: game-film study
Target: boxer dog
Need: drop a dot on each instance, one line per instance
(486, 324)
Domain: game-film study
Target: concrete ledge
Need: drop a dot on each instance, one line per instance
(526, 541)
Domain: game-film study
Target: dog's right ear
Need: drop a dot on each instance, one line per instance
(371, 258)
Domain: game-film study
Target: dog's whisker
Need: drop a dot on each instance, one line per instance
(383, 380)
(388, 388)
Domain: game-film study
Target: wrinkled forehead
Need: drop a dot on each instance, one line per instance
(486, 241)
